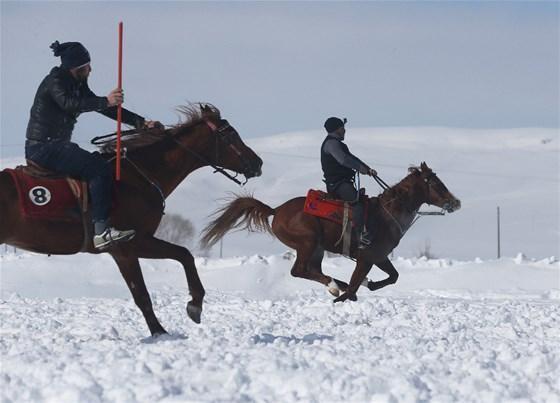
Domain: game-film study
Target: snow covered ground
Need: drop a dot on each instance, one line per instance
(465, 327)
(447, 331)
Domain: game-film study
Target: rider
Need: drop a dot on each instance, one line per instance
(339, 168)
(62, 96)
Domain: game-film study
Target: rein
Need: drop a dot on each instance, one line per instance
(100, 140)
(416, 215)
(150, 181)
(207, 162)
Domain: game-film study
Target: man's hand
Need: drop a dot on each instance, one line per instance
(372, 172)
(115, 97)
(153, 124)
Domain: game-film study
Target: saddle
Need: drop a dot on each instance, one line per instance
(44, 195)
(321, 204)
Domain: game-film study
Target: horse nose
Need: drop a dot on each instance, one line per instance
(454, 205)
(254, 169)
(258, 168)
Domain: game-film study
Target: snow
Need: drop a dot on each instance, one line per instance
(461, 327)
(448, 330)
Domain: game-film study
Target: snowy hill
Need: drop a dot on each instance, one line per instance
(516, 169)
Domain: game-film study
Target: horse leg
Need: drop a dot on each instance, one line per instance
(363, 266)
(153, 248)
(388, 268)
(132, 274)
(334, 285)
(308, 258)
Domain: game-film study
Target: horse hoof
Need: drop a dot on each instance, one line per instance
(333, 288)
(194, 312)
(345, 296)
(158, 334)
(335, 292)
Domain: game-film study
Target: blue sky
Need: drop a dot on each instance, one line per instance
(286, 66)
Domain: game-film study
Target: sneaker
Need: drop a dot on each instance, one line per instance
(111, 235)
(365, 240)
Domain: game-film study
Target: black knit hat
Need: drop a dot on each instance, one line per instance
(331, 124)
(72, 54)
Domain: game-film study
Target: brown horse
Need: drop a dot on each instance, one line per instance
(156, 162)
(393, 212)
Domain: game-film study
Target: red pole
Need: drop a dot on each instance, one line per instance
(119, 108)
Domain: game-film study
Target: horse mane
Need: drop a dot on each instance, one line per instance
(192, 115)
(401, 187)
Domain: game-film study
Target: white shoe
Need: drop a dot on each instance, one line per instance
(111, 235)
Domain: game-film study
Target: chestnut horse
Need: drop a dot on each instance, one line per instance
(393, 212)
(156, 162)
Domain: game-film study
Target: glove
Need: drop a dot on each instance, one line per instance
(372, 172)
(153, 124)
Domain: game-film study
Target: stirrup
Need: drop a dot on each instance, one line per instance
(364, 240)
(110, 236)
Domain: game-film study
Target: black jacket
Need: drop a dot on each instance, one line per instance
(59, 101)
(337, 161)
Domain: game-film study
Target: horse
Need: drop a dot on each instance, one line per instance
(392, 212)
(155, 163)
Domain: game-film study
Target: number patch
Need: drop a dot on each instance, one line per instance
(40, 195)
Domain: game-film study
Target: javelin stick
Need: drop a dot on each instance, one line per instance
(119, 107)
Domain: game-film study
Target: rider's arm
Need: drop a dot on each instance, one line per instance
(128, 117)
(345, 158)
(74, 103)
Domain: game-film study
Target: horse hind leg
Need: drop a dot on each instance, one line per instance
(334, 286)
(132, 274)
(308, 264)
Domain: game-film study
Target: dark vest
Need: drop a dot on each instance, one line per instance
(332, 170)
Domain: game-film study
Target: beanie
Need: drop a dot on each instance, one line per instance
(72, 54)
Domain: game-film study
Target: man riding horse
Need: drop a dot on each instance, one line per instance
(339, 169)
(62, 96)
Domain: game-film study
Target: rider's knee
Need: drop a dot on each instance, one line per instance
(98, 168)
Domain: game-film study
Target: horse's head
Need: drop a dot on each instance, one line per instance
(434, 190)
(229, 150)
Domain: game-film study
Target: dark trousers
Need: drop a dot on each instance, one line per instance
(346, 191)
(66, 158)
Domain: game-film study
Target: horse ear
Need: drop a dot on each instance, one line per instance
(423, 166)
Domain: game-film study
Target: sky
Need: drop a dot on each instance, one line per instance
(274, 67)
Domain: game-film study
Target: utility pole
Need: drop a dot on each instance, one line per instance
(498, 217)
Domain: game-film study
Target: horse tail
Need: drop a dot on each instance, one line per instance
(241, 213)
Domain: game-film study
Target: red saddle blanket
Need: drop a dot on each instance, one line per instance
(48, 198)
(320, 204)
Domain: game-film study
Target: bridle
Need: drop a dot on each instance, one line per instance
(416, 214)
(224, 134)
